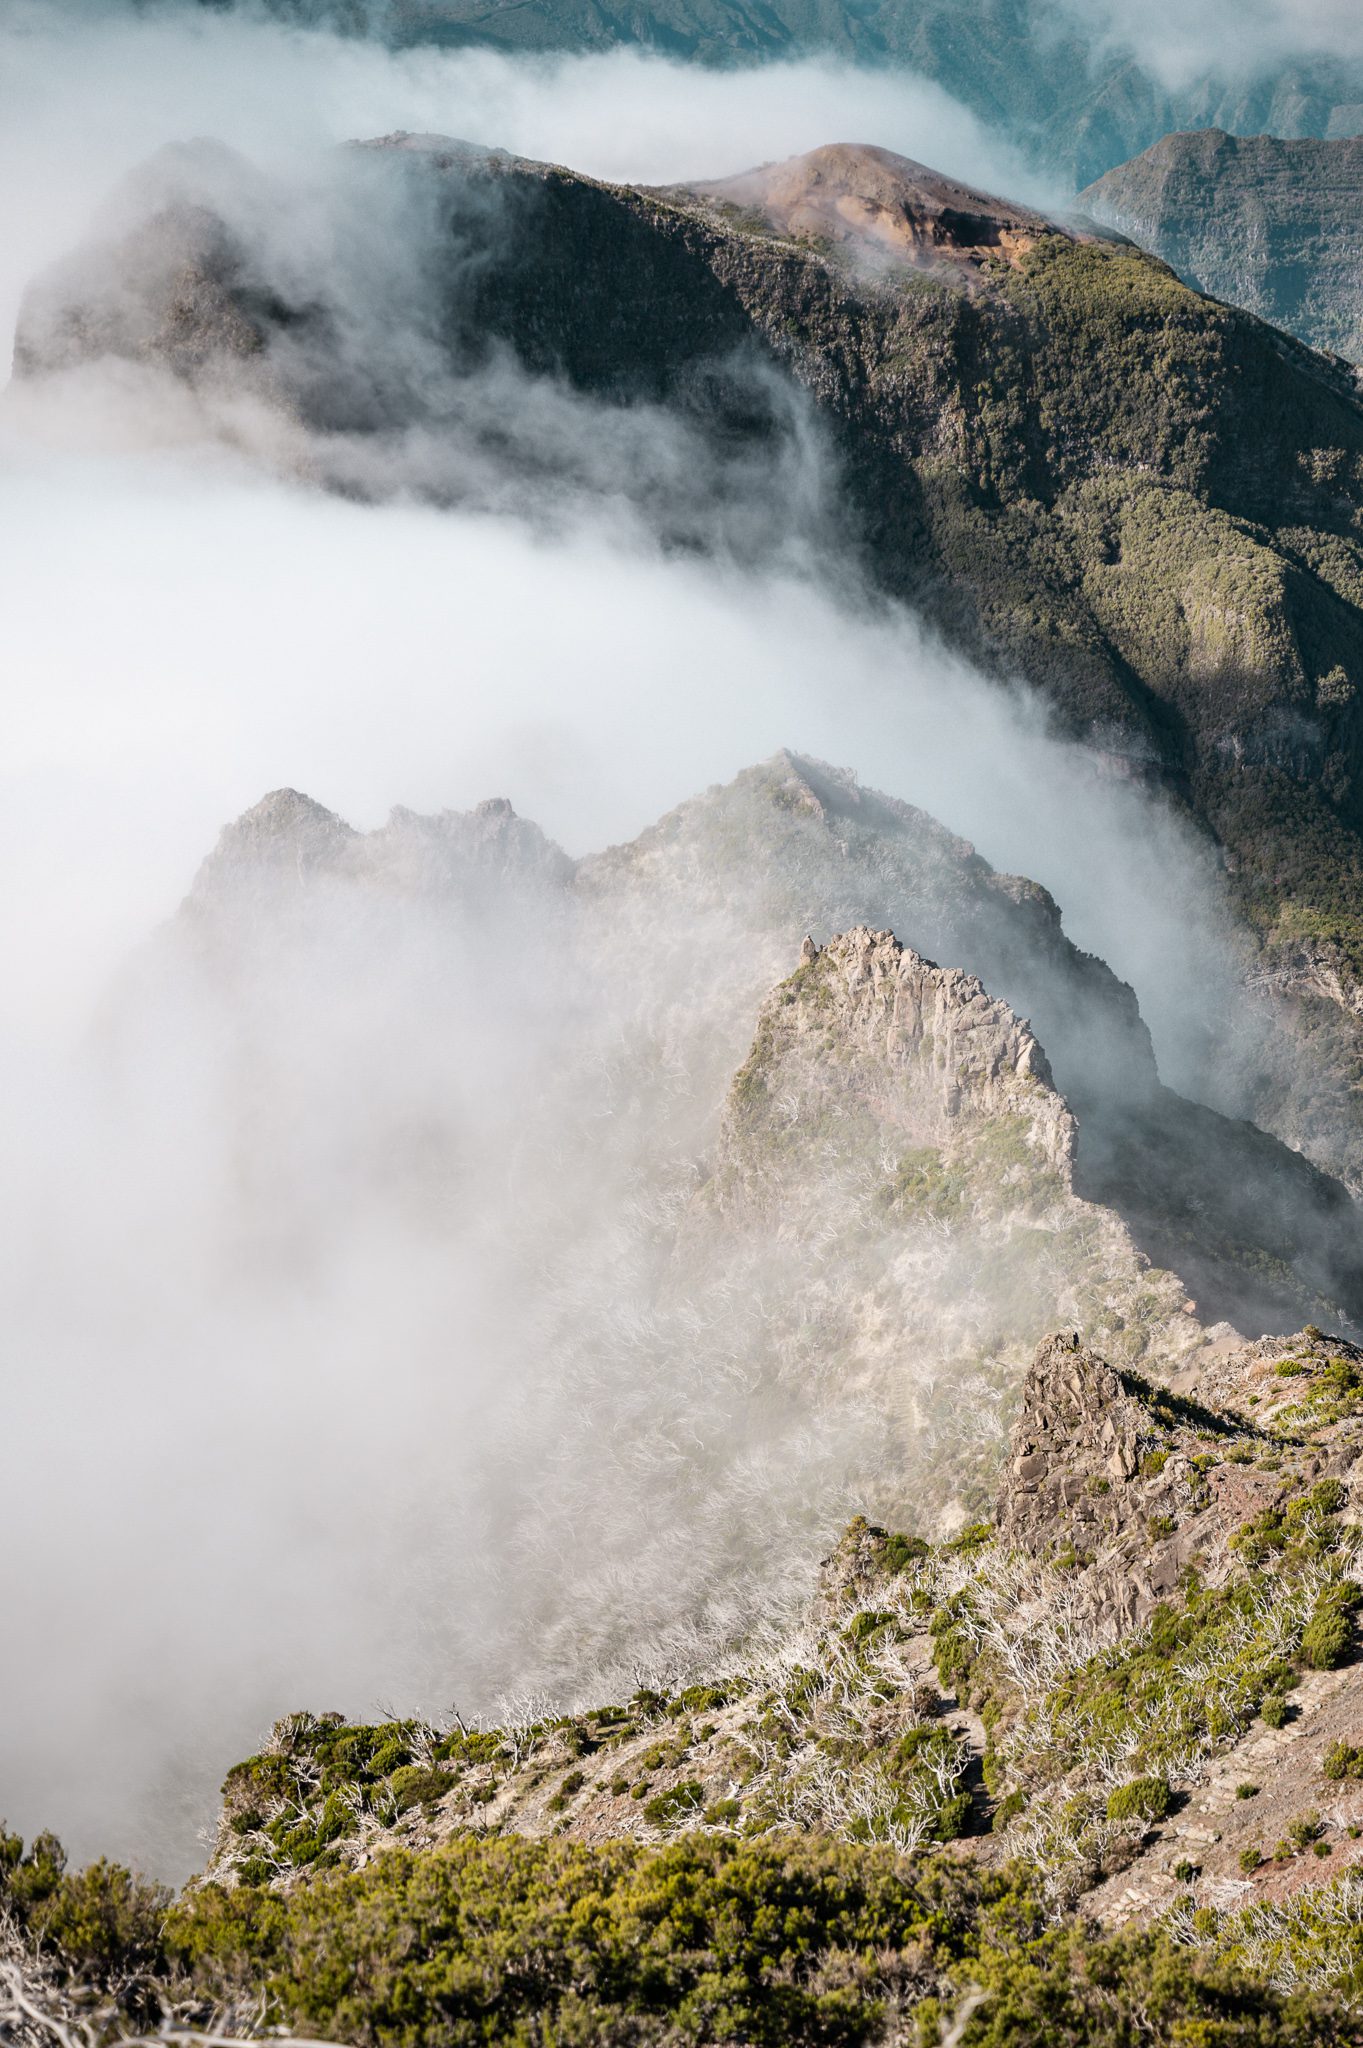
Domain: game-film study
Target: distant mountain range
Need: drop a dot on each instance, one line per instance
(1275, 226)
(1075, 106)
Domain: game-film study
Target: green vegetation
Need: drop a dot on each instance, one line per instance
(1312, 1939)
(785, 1943)
(701, 1941)
(670, 1806)
(1141, 1799)
(100, 1924)
(1328, 1639)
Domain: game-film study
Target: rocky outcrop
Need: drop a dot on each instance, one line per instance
(927, 1044)
(886, 210)
(1077, 1425)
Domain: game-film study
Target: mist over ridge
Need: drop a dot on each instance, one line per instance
(1075, 85)
(475, 1254)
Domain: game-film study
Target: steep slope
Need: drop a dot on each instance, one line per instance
(894, 1178)
(709, 906)
(794, 846)
(1163, 1605)
(1271, 225)
(1144, 501)
(1066, 1696)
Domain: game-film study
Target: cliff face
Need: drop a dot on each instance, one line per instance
(1146, 502)
(892, 1020)
(894, 1179)
(1267, 223)
(708, 907)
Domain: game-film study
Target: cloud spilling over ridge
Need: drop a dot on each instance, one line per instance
(267, 1381)
(278, 1483)
(67, 133)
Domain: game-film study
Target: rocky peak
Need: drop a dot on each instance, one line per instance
(950, 1048)
(286, 835)
(886, 208)
(490, 840)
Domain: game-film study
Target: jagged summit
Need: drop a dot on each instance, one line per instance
(290, 839)
(717, 897)
(886, 206)
(948, 1049)
(286, 833)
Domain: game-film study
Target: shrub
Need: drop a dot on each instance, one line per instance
(1328, 1638)
(1140, 1799)
(1247, 1791)
(902, 1551)
(1007, 1810)
(1275, 1711)
(104, 1920)
(1304, 1830)
(1250, 1859)
(1342, 1760)
(705, 1940)
(952, 1818)
(791, 1943)
(415, 1784)
(670, 1806)
(100, 1922)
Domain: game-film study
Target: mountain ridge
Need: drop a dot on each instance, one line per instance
(1140, 500)
(1263, 222)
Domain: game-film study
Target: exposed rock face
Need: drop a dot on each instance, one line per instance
(1273, 225)
(1128, 1478)
(894, 1176)
(714, 899)
(948, 1051)
(887, 209)
(1076, 1424)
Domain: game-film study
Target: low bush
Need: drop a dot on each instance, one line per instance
(1141, 1799)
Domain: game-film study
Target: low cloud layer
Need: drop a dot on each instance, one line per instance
(271, 1457)
(273, 92)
